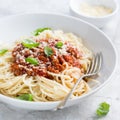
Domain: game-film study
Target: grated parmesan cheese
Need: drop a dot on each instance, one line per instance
(94, 10)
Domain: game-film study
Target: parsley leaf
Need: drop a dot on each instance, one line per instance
(59, 45)
(29, 43)
(39, 30)
(3, 51)
(103, 109)
(32, 60)
(26, 96)
(48, 51)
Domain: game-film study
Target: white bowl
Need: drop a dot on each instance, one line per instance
(97, 21)
(13, 27)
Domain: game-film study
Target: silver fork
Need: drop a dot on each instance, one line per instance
(92, 70)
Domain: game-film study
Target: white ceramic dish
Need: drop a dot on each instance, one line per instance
(13, 27)
(97, 21)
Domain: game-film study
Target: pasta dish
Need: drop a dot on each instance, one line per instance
(44, 66)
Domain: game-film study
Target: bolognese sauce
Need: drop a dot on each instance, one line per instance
(49, 55)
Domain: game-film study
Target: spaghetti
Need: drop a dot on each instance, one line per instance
(46, 66)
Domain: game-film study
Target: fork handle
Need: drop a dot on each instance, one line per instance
(63, 102)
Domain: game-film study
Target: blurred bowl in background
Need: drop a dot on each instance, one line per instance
(101, 5)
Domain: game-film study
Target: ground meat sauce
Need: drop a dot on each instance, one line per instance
(53, 63)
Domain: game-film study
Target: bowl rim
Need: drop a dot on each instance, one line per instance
(76, 98)
(93, 17)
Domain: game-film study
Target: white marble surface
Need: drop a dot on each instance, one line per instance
(86, 110)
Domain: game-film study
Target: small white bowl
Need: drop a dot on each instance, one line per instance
(97, 21)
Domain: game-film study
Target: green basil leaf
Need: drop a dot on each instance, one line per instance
(48, 51)
(39, 30)
(32, 61)
(103, 109)
(3, 51)
(26, 96)
(59, 45)
(29, 43)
